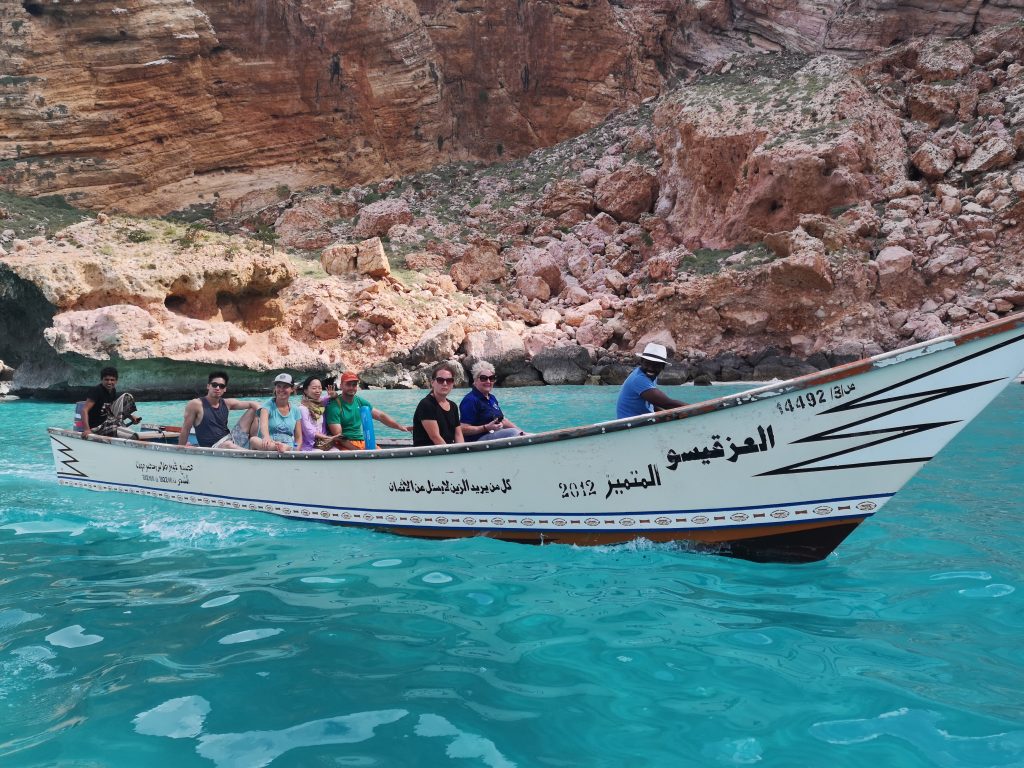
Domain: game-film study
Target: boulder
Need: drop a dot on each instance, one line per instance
(533, 287)
(565, 195)
(527, 377)
(675, 373)
(943, 60)
(578, 315)
(366, 258)
(627, 193)
(325, 323)
(538, 263)
(781, 367)
(744, 321)
(479, 264)
(386, 375)
(803, 264)
(550, 315)
(419, 261)
(377, 218)
(658, 336)
(592, 332)
(938, 105)
(993, 153)
(6, 372)
(228, 207)
(929, 327)
(614, 373)
(542, 336)
(503, 349)
(563, 365)
(439, 343)
(933, 161)
(663, 266)
(893, 263)
(306, 225)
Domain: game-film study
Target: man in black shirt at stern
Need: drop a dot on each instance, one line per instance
(98, 402)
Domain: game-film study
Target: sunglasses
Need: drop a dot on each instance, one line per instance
(482, 377)
(443, 380)
(218, 385)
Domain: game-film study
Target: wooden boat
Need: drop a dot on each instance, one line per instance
(782, 473)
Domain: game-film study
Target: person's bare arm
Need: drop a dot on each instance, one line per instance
(234, 404)
(387, 421)
(334, 430)
(660, 400)
(468, 430)
(189, 422)
(458, 435)
(86, 431)
(433, 432)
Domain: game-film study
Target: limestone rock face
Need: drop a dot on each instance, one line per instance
(148, 106)
(77, 272)
(709, 29)
(164, 299)
(753, 163)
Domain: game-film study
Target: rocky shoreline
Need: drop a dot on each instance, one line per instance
(767, 216)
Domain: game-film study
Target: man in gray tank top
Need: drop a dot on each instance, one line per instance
(209, 417)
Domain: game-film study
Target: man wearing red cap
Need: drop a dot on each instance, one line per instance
(344, 416)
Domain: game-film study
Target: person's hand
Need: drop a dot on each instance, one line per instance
(85, 433)
(136, 419)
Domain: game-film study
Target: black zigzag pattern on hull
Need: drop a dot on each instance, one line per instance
(69, 459)
(887, 434)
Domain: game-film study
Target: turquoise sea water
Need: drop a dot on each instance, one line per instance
(140, 632)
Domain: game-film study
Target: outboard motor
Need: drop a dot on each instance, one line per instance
(119, 415)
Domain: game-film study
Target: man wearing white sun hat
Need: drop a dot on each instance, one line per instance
(640, 393)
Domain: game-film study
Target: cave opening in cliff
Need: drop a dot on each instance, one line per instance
(176, 304)
(33, 8)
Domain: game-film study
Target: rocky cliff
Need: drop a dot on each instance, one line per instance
(151, 105)
(769, 214)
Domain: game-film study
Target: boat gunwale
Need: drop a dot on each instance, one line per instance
(775, 389)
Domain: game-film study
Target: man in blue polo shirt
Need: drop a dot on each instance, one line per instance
(640, 393)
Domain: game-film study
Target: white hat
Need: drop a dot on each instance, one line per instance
(284, 378)
(655, 353)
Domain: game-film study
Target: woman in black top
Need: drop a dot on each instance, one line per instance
(436, 421)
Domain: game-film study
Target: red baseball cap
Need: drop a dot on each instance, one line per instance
(348, 376)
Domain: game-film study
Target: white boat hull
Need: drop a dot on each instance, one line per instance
(783, 472)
